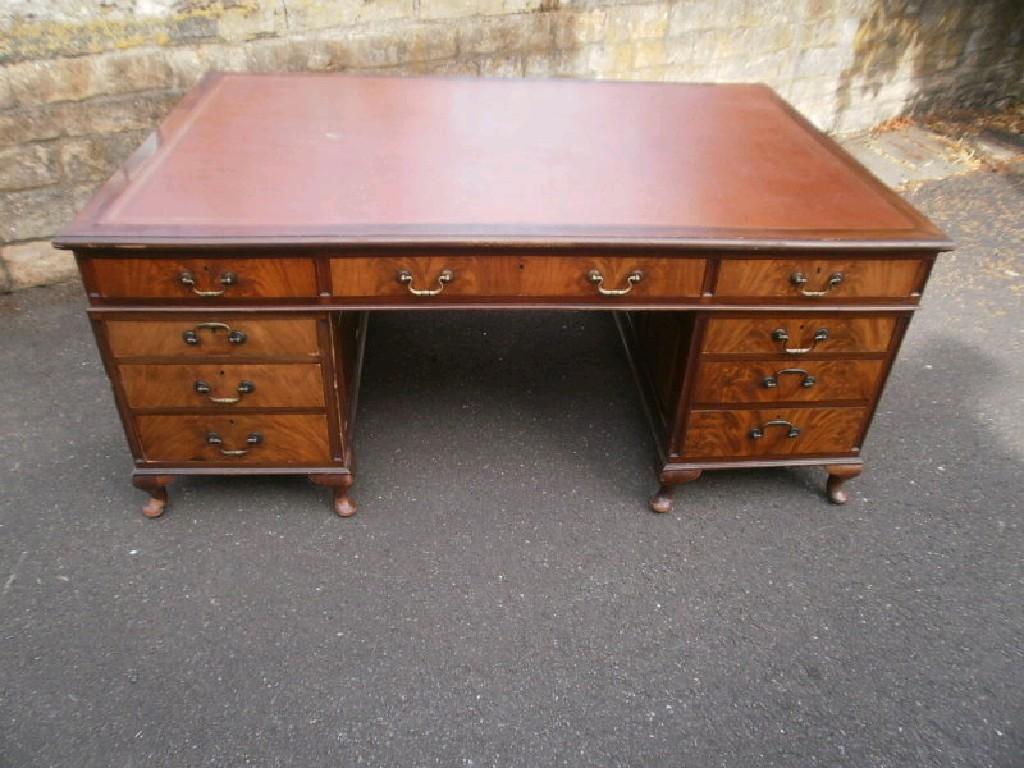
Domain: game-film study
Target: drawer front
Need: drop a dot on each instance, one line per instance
(773, 432)
(213, 336)
(263, 438)
(212, 280)
(223, 386)
(819, 279)
(798, 335)
(433, 278)
(612, 278)
(768, 381)
(424, 278)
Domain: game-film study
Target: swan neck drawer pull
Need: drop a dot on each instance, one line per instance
(245, 387)
(597, 279)
(192, 337)
(780, 335)
(405, 278)
(771, 382)
(799, 280)
(213, 438)
(188, 279)
(791, 429)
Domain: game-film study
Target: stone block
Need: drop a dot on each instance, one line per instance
(145, 70)
(453, 9)
(626, 23)
(32, 83)
(21, 125)
(37, 263)
(35, 213)
(388, 45)
(29, 166)
(95, 158)
(501, 66)
(113, 114)
(575, 28)
(519, 33)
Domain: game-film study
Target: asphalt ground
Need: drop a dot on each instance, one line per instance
(503, 597)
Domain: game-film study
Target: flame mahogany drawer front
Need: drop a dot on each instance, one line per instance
(773, 432)
(810, 280)
(219, 335)
(798, 335)
(769, 381)
(202, 279)
(270, 439)
(225, 386)
(432, 278)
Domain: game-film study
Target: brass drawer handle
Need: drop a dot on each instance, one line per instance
(254, 438)
(405, 278)
(792, 430)
(192, 337)
(188, 279)
(771, 382)
(597, 279)
(780, 335)
(245, 387)
(799, 279)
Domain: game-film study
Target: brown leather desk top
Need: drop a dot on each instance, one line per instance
(332, 159)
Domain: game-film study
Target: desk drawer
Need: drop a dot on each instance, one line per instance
(773, 432)
(240, 439)
(797, 335)
(776, 381)
(817, 280)
(209, 280)
(224, 386)
(433, 278)
(611, 278)
(423, 278)
(214, 336)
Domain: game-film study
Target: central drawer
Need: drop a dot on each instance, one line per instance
(273, 439)
(426, 279)
(223, 386)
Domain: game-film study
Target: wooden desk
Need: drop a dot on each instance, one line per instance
(231, 263)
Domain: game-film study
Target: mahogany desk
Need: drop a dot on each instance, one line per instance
(231, 263)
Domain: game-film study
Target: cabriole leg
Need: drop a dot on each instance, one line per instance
(343, 505)
(661, 502)
(838, 474)
(156, 487)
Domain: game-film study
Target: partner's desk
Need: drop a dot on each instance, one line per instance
(232, 263)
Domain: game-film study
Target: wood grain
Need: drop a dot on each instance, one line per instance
(173, 386)
(724, 434)
(750, 335)
(862, 278)
(292, 337)
(287, 439)
(567, 276)
(378, 276)
(120, 278)
(743, 382)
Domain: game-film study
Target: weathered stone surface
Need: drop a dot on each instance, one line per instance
(40, 82)
(502, 34)
(135, 71)
(95, 158)
(37, 263)
(24, 167)
(452, 9)
(34, 213)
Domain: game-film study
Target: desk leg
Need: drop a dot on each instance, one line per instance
(156, 487)
(343, 505)
(662, 500)
(838, 474)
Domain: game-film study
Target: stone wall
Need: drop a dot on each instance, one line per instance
(82, 81)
